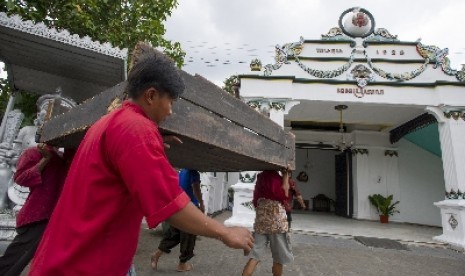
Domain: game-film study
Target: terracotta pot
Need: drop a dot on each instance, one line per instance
(383, 219)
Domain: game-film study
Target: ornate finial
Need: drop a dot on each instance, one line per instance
(461, 74)
(381, 34)
(357, 22)
(333, 32)
(255, 65)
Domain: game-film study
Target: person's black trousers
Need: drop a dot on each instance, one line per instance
(21, 250)
(173, 237)
(289, 220)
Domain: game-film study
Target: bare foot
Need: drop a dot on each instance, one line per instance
(183, 267)
(154, 259)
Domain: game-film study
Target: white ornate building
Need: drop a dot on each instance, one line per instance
(371, 114)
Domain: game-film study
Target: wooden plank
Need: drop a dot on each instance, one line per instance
(200, 156)
(203, 126)
(211, 142)
(81, 117)
(206, 94)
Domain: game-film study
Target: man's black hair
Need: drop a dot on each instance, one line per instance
(151, 68)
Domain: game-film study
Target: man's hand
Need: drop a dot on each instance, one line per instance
(286, 172)
(300, 199)
(238, 238)
(45, 150)
(170, 139)
(189, 219)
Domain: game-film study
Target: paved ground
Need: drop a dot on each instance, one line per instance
(329, 223)
(314, 255)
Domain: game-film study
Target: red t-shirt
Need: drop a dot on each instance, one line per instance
(120, 173)
(269, 186)
(45, 186)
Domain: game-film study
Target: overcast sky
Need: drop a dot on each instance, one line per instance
(221, 37)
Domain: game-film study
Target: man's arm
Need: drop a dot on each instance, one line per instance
(301, 201)
(46, 155)
(298, 195)
(285, 184)
(191, 220)
(30, 166)
(198, 195)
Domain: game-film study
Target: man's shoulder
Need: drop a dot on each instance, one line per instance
(126, 120)
(31, 151)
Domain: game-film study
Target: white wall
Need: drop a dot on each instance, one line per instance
(421, 178)
(321, 173)
(415, 178)
(374, 173)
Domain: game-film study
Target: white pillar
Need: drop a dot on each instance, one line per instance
(9, 107)
(243, 211)
(205, 189)
(277, 115)
(451, 124)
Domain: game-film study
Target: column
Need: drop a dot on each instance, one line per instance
(243, 210)
(451, 124)
(273, 108)
(9, 107)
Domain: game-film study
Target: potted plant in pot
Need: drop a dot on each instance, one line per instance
(384, 206)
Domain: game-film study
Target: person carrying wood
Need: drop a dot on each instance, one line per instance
(270, 227)
(189, 180)
(121, 174)
(43, 170)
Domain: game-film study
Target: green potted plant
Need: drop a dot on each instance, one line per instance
(384, 206)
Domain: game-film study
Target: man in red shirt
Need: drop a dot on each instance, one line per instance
(293, 192)
(119, 175)
(43, 171)
(269, 197)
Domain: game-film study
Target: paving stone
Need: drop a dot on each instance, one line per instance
(381, 243)
(314, 255)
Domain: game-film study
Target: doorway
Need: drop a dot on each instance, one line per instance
(344, 186)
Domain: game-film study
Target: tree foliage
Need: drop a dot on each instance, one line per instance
(120, 22)
(26, 102)
(5, 91)
(123, 23)
(230, 84)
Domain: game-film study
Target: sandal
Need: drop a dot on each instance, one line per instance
(185, 267)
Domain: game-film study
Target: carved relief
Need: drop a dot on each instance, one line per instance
(391, 153)
(456, 115)
(360, 151)
(247, 177)
(16, 22)
(453, 222)
(362, 75)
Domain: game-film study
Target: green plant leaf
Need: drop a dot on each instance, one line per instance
(384, 206)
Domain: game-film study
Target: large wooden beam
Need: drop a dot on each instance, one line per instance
(219, 132)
